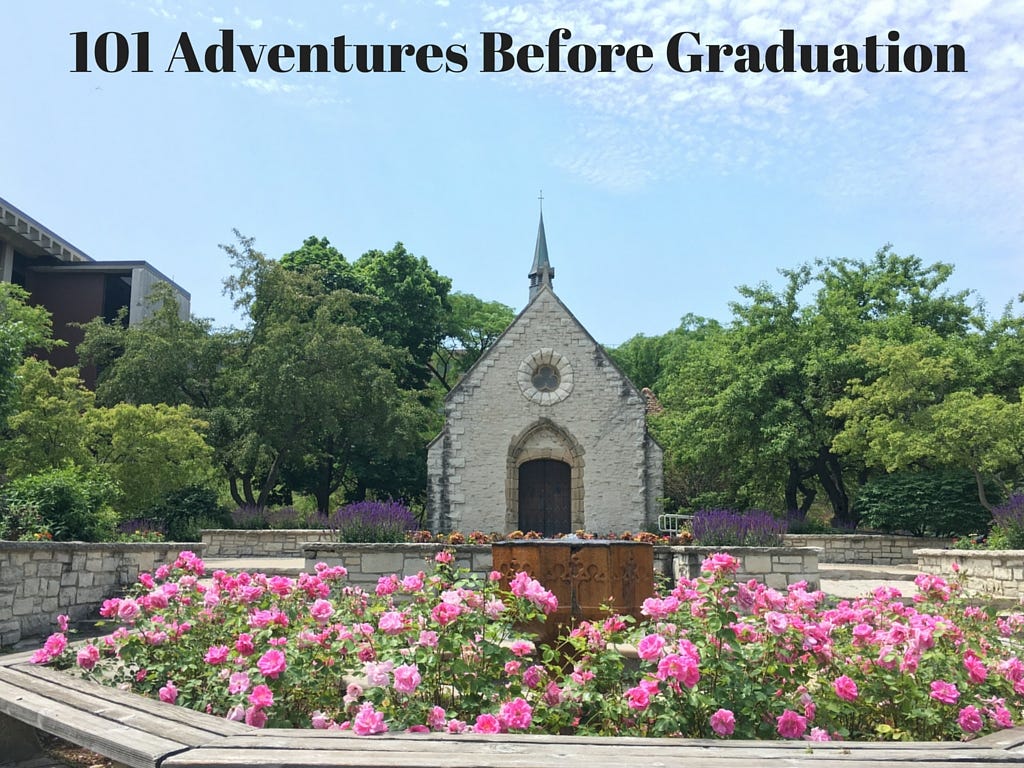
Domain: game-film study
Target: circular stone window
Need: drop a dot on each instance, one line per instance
(545, 377)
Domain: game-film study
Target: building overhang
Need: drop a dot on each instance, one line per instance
(30, 237)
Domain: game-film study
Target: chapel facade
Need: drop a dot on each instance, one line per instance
(544, 432)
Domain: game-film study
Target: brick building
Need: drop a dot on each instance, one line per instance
(544, 432)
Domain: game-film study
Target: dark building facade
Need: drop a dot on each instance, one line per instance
(72, 286)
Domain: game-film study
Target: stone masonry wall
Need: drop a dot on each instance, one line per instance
(599, 426)
(996, 572)
(778, 567)
(40, 580)
(273, 543)
(867, 549)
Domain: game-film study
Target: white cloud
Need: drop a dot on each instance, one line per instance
(254, 23)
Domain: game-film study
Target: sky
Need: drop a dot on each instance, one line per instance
(662, 190)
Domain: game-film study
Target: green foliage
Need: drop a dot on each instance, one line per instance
(22, 522)
(74, 503)
(149, 450)
(321, 260)
(935, 502)
(48, 428)
(474, 325)
(186, 511)
(22, 327)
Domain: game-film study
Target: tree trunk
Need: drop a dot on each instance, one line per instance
(830, 474)
(982, 496)
(795, 489)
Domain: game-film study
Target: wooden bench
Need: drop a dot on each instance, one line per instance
(143, 733)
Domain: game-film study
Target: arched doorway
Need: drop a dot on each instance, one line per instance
(545, 496)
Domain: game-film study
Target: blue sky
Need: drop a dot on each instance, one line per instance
(663, 191)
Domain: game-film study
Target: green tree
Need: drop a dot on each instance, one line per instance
(321, 394)
(149, 451)
(22, 328)
(474, 325)
(760, 393)
(48, 428)
(318, 258)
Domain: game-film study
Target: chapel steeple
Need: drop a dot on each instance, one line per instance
(542, 273)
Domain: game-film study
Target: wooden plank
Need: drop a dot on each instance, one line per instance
(98, 705)
(214, 726)
(121, 743)
(10, 659)
(373, 757)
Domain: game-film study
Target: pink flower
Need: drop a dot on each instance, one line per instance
(723, 722)
(428, 638)
(238, 683)
(217, 654)
(244, 644)
(494, 608)
(321, 610)
(444, 556)
(790, 725)
(720, 562)
(169, 693)
(516, 714)
(386, 585)
(976, 671)
(261, 697)
(522, 647)
(127, 610)
(650, 647)
(845, 688)
(236, 714)
(945, 692)
(970, 719)
(407, 678)
(437, 719)
(378, 674)
(88, 656)
(1002, 715)
(413, 583)
(532, 676)
(818, 734)
(319, 721)
(255, 717)
(638, 697)
(445, 613)
(487, 724)
(272, 663)
(391, 622)
(776, 622)
(53, 647)
(683, 669)
(62, 622)
(658, 608)
(368, 721)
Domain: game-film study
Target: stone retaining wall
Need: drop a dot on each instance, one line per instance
(280, 542)
(865, 548)
(39, 580)
(366, 563)
(995, 572)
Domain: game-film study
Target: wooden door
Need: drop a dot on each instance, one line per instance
(545, 497)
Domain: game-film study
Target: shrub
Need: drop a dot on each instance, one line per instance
(141, 529)
(372, 521)
(22, 522)
(74, 505)
(1008, 524)
(728, 528)
(927, 502)
(188, 510)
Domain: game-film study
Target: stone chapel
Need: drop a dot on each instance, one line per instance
(544, 432)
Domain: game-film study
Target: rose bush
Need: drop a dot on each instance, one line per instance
(441, 652)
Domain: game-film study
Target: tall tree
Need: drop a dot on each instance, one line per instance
(474, 324)
(22, 328)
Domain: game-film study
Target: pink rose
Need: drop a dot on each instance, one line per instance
(217, 654)
(321, 610)
(88, 656)
(169, 693)
(272, 663)
(845, 688)
(790, 725)
(407, 678)
(368, 721)
(650, 647)
(487, 724)
(244, 644)
(392, 623)
(945, 692)
(723, 722)
(516, 714)
(261, 697)
(238, 683)
(970, 719)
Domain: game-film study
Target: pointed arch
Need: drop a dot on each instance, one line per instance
(544, 439)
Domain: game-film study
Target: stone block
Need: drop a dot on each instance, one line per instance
(757, 564)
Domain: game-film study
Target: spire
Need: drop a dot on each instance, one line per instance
(542, 272)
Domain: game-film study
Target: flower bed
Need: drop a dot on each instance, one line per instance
(440, 652)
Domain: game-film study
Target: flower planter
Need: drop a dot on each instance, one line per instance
(585, 576)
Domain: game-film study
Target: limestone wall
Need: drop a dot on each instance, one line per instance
(996, 572)
(40, 580)
(867, 549)
(366, 563)
(273, 543)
